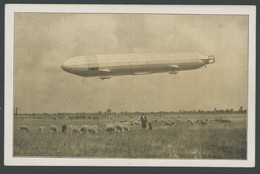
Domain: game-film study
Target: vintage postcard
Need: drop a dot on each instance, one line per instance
(130, 85)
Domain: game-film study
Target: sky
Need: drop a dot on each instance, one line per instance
(43, 41)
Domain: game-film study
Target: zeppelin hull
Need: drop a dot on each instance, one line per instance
(134, 64)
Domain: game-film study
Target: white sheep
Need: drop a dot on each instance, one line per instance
(24, 128)
(72, 129)
(203, 122)
(169, 123)
(93, 129)
(119, 127)
(53, 128)
(137, 123)
(85, 128)
(41, 129)
(126, 127)
(191, 122)
(173, 123)
(110, 128)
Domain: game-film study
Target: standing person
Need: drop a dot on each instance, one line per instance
(143, 121)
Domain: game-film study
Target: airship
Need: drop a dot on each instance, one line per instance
(106, 66)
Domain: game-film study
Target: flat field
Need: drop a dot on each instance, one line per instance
(214, 140)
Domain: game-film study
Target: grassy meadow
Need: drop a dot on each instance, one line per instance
(216, 140)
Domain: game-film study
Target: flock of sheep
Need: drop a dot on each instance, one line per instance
(66, 129)
(206, 121)
(202, 122)
(84, 129)
(117, 127)
(190, 122)
(172, 123)
(123, 126)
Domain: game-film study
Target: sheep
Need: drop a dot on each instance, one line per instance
(41, 129)
(119, 127)
(53, 128)
(203, 122)
(75, 129)
(125, 123)
(92, 129)
(95, 126)
(191, 122)
(24, 128)
(168, 123)
(161, 121)
(222, 120)
(85, 128)
(126, 127)
(226, 121)
(173, 123)
(136, 123)
(132, 123)
(110, 128)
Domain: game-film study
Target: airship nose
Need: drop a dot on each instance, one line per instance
(76, 65)
(68, 64)
(64, 66)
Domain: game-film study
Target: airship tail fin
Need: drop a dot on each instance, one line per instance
(209, 60)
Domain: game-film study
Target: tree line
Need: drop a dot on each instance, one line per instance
(110, 112)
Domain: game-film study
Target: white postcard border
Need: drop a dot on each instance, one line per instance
(10, 9)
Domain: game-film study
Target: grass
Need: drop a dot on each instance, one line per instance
(182, 141)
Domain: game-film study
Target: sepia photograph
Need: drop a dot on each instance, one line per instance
(121, 85)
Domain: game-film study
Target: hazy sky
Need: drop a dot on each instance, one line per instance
(43, 41)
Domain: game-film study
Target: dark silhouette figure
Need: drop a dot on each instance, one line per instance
(143, 121)
(150, 126)
(64, 129)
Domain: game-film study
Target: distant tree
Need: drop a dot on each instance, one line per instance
(241, 109)
(109, 111)
(16, 110)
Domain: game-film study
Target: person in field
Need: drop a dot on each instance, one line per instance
(143, 121)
